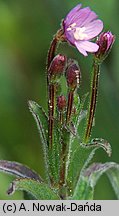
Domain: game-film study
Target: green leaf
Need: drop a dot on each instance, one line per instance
(113, 175)
(80, 158)
(80, 113)
(42, 123)
(39, 191)
(19, 170)
(77, 153)
(83, 190)
(88, 179)
(28, 196)
(41, 120)
(54, 154)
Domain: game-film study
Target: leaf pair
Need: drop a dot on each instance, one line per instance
(29, 181)
(80, 158)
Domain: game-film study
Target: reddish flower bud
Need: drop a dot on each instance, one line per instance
(73, 74)
(61, 103)
(105, 42)
(57, 67)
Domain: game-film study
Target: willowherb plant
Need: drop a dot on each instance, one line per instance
(67, 153)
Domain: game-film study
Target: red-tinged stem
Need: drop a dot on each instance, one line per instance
(52, 102)
(93, 100)
(53, 46)
(51, 91)
(69, 106)
(51, 87)
(51, 52)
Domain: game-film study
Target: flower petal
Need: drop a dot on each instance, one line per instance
(69, 35)
(80, 26)
(92, 29)
(92, 16)
(81, 16)
(72, 13)
(87, 46)
(81, 50)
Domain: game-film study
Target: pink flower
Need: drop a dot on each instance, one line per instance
(80, 26)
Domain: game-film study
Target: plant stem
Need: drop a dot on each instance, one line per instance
(52, 96)
(51, 92)
(51, 52)
(53, 46)
(52, 87)
(93, 99)
(65, 145)
(61, 118)
(63, 159)
(69, 106)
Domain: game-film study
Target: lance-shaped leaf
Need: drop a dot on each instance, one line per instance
(88, 179)
(42, 124)
(19, 170)
(39, 191)
(54, 155)
(41, 120)
(80, 158)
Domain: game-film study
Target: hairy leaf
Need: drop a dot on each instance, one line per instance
(54, 154)
(18, 170)
(88, 179)
(80, 158)
(28, 196)
(42, 123)
(41, 120)
(39, 191)
(76, 163)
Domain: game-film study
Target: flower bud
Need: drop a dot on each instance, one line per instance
(61, 103)
(73, 74)
(57, 67)
(105, 42)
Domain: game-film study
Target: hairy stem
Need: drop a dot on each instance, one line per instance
(63, 159)
(61, 118)
(53, 46)
(51, 87)
(52, 96)
(51, 52)
(52, 109)
(93, 99)
(51, 92)
(69, 106)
